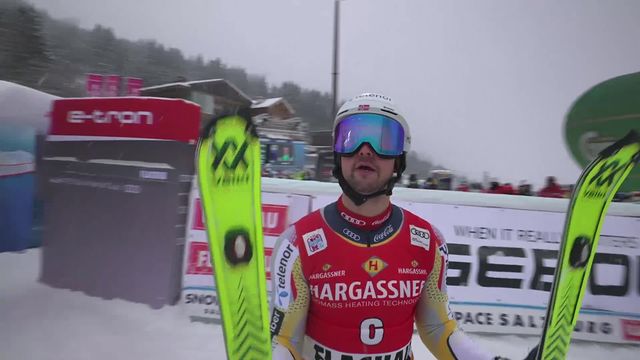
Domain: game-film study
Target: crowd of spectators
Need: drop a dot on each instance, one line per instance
(551, 189)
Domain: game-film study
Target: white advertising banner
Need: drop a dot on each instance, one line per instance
(590, 326)
(199, 298)
(501, 262)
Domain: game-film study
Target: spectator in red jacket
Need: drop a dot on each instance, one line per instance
(506, 189)
(552, 189)
(463, 186)
(494, 188)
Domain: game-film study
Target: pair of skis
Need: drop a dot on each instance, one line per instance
(228, 163)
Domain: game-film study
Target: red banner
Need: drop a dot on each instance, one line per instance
(274, 218)
(267, 261)
(198, 216)
(199, 262)
(133, 86)
(146, 118)
(112, 86)
(199, 259)
(94, 85)
(631, 329)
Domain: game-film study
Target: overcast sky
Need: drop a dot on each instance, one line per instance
(485, 85)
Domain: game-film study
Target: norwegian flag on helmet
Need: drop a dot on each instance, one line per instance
(363, 107)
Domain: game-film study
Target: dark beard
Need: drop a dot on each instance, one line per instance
(369, 188)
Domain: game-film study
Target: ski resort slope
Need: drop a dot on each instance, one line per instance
(39, 322)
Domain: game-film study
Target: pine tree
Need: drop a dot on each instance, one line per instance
(23, 51)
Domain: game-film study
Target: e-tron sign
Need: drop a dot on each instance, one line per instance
(126, 117)
(101, 117)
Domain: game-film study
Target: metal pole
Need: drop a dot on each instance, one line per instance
(336, 40)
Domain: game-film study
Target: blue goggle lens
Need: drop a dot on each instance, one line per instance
(384, 134)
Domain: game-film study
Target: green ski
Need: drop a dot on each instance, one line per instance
(590, 200)
(228, 163)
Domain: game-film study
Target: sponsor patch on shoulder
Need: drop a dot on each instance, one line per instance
(314, 241)
(420, 237)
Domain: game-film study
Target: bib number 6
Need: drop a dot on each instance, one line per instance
(371, 331)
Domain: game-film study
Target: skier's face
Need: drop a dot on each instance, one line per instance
(365, 171)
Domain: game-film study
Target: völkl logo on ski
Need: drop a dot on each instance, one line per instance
(598, 186)
(230, 165)
(237, 154)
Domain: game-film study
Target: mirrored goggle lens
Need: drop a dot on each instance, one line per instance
(384, 134)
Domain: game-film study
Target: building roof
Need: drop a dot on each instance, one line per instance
(218, 87)
(267, 103)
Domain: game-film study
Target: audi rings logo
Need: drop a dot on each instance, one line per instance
(419, 232)
(351, 234)
(420, 237)
(351, 219)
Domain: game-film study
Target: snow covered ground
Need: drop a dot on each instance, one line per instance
(38, 322)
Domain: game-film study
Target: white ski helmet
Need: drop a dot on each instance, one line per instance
(370, 103)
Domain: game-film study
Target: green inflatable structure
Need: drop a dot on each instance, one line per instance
(601, 116)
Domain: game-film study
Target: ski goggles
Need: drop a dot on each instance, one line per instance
(384, 134)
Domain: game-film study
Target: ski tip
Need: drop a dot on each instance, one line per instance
(244, 113)
(631, 137)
